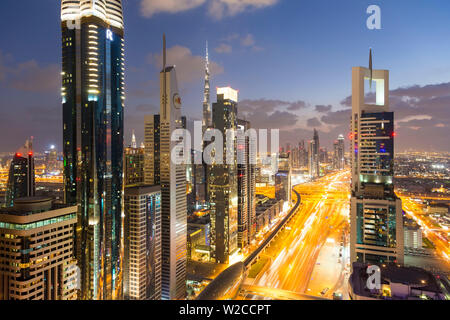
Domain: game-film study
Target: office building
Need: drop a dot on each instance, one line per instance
(376, 212)
(246, 170)
(173, 189)
(152, 149)
(222, 184)
(36, 251)
(339, 153)
(134, 166)
(397, 283)
(93, 111)
(142, 241)
(412, 234)
(21, 180)
(207, 114)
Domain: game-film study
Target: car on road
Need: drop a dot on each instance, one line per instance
(337, 296)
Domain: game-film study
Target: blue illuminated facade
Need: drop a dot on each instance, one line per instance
(93, 117)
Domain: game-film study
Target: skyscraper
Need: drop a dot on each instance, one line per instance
(173, 190)
(93, 106)
(152, 149)
(21, 180)
(207, 115)
(134, 166)
(142, 240)
(44, 266)
(314, 156)
(222, 184)
(376, 212)
(339, 153)
(246, 162)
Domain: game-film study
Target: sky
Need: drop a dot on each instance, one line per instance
(290, 60)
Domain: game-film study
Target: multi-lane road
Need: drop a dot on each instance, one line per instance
(294, 253)
(436, 235)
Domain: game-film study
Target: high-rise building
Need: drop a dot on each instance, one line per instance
(152, 149)
(246, 162)
(303, 154)
(207, 115)
(142, 241)
(222, 184)
(21, 180)
(339, 153)
(93, 111)
(36, 245)
(173, 190)
(314, 156)
(376, 212)
(134, 166)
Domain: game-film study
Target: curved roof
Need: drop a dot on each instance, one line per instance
(225, 285)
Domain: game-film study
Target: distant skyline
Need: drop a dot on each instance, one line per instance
(290, 60)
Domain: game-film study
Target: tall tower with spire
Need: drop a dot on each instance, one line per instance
(173, 189)
(207, 116)
(376, 222)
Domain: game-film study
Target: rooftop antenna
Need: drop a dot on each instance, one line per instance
(164, 78)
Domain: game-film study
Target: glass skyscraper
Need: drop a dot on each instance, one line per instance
(21, 181)
(93, 104)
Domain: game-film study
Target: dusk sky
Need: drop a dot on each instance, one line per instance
(290, 60)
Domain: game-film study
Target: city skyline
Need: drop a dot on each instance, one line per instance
(167, 188)
(419, 93)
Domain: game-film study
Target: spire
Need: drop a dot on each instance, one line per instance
(207, 116)
(164, 97)
(133, 140)
(370, 67)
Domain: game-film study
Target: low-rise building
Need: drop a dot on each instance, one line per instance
(36, 250)
(412, 234)
(396, 283)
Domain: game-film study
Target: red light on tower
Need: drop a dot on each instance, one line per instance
(394, 134)
(18, 155)
(30, 153)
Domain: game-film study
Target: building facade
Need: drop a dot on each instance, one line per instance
(21, 179)
(173, 190)
(36, 251)
(93, 106)
(142, 240)
(376, 212)
(222, 184)
(134, 166)
(152, 149)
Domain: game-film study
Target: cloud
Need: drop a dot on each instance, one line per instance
(224, 48)
(323, 109)
(152, 7)
(216, 8)
(189, 68)
(269, 106)
(29, 76)
(270, 114)
(222, 8)
(248, 40)
(313, 122)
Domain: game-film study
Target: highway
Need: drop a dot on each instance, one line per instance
(435, 235)
(325, 207)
